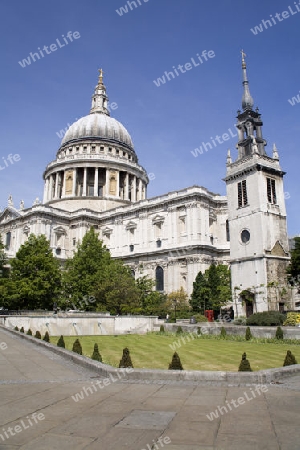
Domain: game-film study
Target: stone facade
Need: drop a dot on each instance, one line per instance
(96, 180)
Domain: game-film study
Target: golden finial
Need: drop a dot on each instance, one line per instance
(243, 57)
(100, 76)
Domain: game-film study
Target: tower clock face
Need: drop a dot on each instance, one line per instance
(245, 236)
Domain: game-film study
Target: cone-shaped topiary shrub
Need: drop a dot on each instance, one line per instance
(289, 359)
(16, 329)
(22, 330)
(244, 364)
(223, 333)
(29, 332)
(61, 342)
(46, 338)
(179, 330)
(248, 334)
(199, 332)
(162, 329)
(38, 335)
(126, 359)
(96, 355)
(175, 364)
(279, 333)
(77, 347)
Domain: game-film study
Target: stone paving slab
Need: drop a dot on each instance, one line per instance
(134, 414)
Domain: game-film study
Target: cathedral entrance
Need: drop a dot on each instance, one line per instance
(248, 300)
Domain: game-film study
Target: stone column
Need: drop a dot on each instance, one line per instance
(106, 190)
(64, 186)
(118, 184)
(140, 190)
(126, 192)
(133, 190)
(96, 181)
(84, 182)
(56, 185)
(74, 183)
(46, 188)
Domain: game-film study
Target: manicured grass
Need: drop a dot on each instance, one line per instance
(153, 351)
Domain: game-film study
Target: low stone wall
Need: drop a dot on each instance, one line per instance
(81, 325)
(236, 330)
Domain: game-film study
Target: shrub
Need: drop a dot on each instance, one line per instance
(162, 329)
(38, 335)
(29, 332)
(289, 359)
(292, 319)
(46, 338)
(179, 330)
(96, 355)
(16, 329)
(223, 333)
(175, 364)
(199, 332)
(248, 334)
(244, 364)
(279, 333)
(61, 342)
(242, 320)
(126, 359)
(266, 318)
(200, 318)
(77, 347)
(22, 330)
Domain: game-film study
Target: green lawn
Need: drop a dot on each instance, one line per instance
(153, 351)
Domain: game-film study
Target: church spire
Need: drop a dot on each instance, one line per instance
(100, 99)
(247, 100)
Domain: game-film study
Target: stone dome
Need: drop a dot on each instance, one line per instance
(100, 126)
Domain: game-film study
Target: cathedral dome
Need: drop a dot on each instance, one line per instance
(100, 126)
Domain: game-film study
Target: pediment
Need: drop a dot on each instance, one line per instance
(278, 250)
(107, 231)
(9, 213)
(131, 225)
(59, 230)
(158, 219)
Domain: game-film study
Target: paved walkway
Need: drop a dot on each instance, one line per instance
(39, 409)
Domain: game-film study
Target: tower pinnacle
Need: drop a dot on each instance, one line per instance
(100, 99)
(247, 100)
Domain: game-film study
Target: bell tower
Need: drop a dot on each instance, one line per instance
(256, 215)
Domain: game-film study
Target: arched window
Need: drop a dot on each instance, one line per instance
(8, 240)
(159, 277)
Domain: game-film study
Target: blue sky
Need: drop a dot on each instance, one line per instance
(168, 122)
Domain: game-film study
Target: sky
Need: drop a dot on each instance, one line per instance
(135, 48)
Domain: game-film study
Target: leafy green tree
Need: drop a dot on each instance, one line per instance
(293, 269)
(4, 274)
(82, 271)
(212, 289)
(35, 275)
(151, 302)
(115, 289)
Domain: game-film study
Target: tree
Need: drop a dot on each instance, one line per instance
(212, 289)
(289, 359)
(96, 354)
(4, 274)
(244, 364)
(82, 271)
(115, 289)
(175, 364)
(179, 300)
(125, 361)
(151, 302)
(293, 269)
(35, 275)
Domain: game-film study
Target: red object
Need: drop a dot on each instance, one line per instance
(209, 314)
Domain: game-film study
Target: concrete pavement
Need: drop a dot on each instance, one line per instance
(48, 402)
